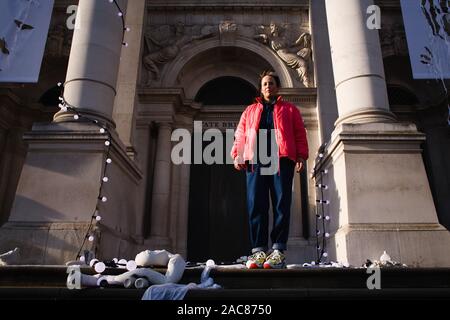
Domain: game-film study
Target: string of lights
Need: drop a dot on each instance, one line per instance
(322, 217)
(65, 106)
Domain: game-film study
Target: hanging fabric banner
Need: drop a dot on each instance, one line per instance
(427, 26)
(23, 33)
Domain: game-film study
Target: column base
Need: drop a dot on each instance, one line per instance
(59, 188)
(367, 116)
(379, 197)
(416, 245)
(44, 243)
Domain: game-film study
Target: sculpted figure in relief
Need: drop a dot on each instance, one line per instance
(300, 60)
(167, 51)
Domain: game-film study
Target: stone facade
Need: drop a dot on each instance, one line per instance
(343, 82)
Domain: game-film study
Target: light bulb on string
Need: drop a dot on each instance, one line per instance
(108, 161)
(107, 143)
(105, 179)
(327, 218)
(102, 130)
(99, 267)
(98, 218)
(327, 235)
(325, 254)
(104, 199)
(91, 238)
(82, 259)
(76, 117)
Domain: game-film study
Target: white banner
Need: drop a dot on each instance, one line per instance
(427, 25)
(23, 33)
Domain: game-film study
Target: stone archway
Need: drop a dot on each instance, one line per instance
(210, 59)
(198, 67)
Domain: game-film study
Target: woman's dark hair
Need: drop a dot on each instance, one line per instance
(268, 73)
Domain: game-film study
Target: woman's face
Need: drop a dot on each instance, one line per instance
(269, 87)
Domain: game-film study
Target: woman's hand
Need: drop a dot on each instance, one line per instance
(299, 165)
(239, 163)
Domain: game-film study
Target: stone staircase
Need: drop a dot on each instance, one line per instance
(49, 283)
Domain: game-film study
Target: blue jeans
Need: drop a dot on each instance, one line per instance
(279, 186)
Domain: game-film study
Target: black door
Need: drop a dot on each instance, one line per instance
(218, 221)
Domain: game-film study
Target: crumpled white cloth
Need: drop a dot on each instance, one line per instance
(174, 291)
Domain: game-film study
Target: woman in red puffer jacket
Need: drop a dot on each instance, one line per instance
(277, 128)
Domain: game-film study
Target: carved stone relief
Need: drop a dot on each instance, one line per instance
(299, 61)
(393, 41)
(163, 51)
(59, 41)
(169, 33)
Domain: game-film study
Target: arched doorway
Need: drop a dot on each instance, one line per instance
(218, 223)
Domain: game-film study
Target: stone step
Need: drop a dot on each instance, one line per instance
(49, 282)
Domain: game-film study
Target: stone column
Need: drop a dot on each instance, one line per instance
(378, 191)
(183, 214)
(357, 63)
(161, 183)
(128, 80)
(323, 70)
(94, 60)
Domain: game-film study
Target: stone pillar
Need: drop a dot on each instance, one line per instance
(94, 60)
(58, 189)
(161, 183)
(378, 189)
(357, 63)
(126, 99)
(183, 213)
(323, 70)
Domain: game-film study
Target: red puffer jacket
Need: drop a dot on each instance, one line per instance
(290, 131)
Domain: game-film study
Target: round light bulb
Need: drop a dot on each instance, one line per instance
(99, 267)
(327, 218)
(59, 84)
(92, 262)
(102, 130)
(120, 14)
(127, 29)
(98, 218)
(109, 161)
(325, 254)
(91, 238)
(107, 143)
(76, 117)
(131, 265)
(313, 263)
(104, 199)
(327, 235)
(105, 179)
(122, 261)
(82, 259)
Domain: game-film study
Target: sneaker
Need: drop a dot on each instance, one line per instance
(275, 260)
(256, 260)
